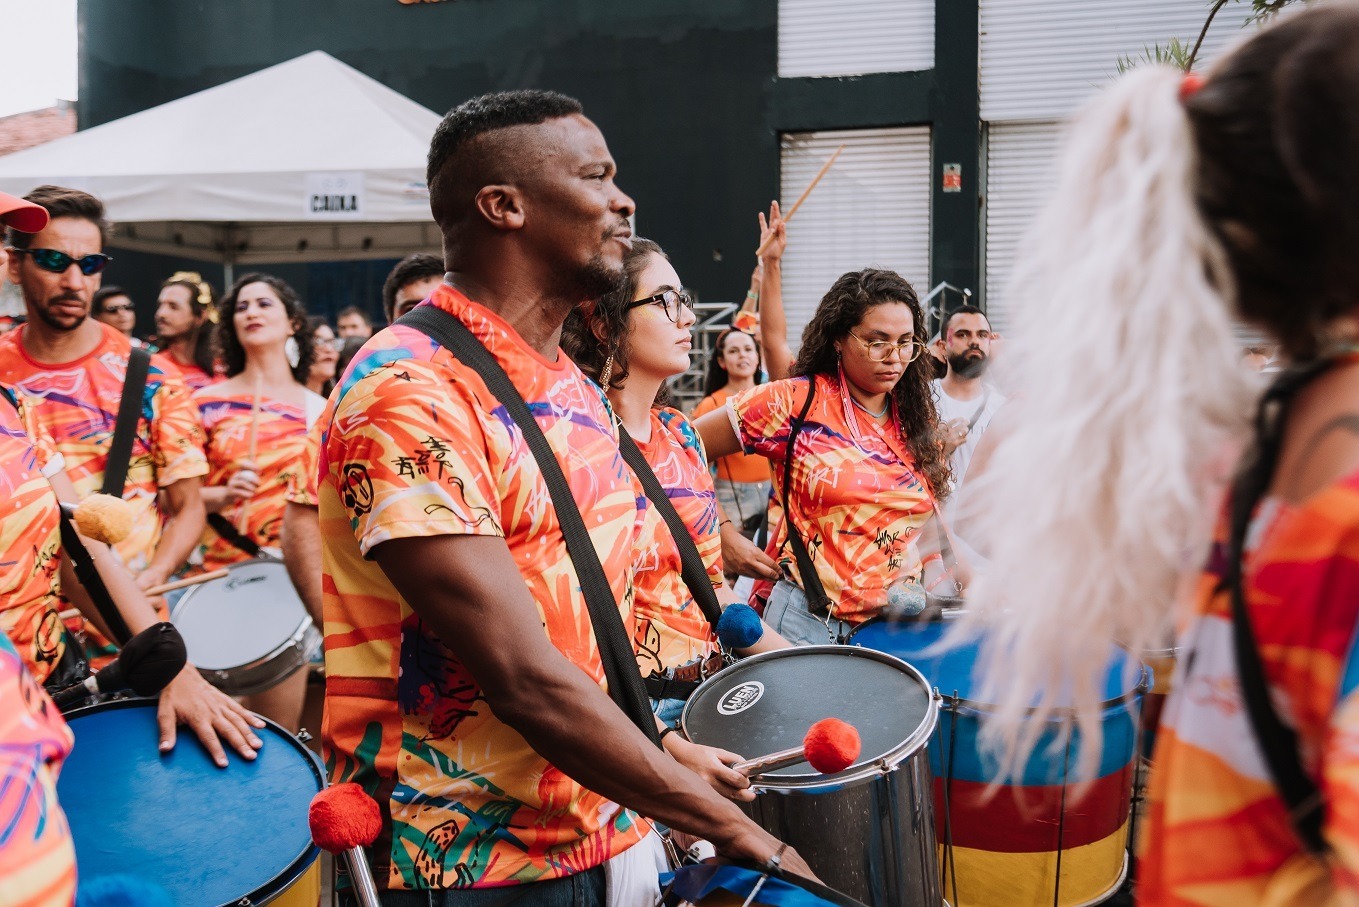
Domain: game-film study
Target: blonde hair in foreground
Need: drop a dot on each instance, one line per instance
(1128, 388)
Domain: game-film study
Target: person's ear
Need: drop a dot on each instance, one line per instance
(502, 206)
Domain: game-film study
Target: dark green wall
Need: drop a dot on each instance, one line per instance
(684, 90)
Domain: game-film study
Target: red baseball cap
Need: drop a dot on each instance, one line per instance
(23, 216)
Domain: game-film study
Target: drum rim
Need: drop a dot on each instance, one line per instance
(299, 866)
(1057, 713)
(811, 886)
(297, 640)
(915, 743)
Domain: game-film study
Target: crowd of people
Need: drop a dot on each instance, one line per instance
(512, 419)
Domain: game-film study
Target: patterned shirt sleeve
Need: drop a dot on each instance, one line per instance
(49, 460)
(766, 412)
(410, 458)
(302, 486)
(177, 438)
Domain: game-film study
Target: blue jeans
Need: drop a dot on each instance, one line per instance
(787, 613)
(669, 711)
(584, 889)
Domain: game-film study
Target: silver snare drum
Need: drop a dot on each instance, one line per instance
(248, 630)
(868, 831)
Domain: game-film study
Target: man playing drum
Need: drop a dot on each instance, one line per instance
(470, 706)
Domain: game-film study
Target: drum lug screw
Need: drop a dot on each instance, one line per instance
(304, 735)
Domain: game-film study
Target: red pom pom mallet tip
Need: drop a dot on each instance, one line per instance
(343, 816)
(831, 745)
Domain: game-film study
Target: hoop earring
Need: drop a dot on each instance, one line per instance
(606, 373)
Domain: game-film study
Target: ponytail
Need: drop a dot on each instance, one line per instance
(1129, 388)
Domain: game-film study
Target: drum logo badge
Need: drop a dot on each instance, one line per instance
(237, 582)
(741, 698)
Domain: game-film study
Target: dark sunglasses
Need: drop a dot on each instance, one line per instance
(111, 309)
(57, 262)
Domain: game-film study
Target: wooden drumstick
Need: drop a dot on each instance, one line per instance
(187, 581)
(244, 517)
(802, 198)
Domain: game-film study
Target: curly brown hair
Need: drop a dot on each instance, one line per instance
(841, 309)
(233, 354)
(597, 330)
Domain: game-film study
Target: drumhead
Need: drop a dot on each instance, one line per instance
(240, 618)
(767, 702)
(954, 672)
(205, 834)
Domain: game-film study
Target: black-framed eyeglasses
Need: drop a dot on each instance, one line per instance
(879, 350)
(57, 261)
(670, 301)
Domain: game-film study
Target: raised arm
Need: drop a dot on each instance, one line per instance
(778, 357)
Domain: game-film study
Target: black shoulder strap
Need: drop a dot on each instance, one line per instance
(125, 429)
(1278, 741)
(233, 536)
(818, 602)
(615, 649)
(691, 562)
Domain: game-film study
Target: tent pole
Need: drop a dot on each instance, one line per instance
(228, 275)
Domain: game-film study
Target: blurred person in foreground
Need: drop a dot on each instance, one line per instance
(1193, 200)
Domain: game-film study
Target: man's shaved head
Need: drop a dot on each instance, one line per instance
(478, 144)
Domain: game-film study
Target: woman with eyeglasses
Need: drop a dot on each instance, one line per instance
(632, 341)
(263, 407)
(325, 356)
(866, 464)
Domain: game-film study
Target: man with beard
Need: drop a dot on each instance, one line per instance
(464, 684)
(966, 404)
(185, 325)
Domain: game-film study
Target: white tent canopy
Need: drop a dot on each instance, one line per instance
(308, 160)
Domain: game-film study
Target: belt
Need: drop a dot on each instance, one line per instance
(680, 683)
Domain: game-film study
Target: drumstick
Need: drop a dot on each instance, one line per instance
(72, 613)
(802, 198)
(830, 746)
(187, 581)
(244, 515)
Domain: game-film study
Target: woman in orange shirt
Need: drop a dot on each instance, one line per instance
(267, 351)
(742, 479)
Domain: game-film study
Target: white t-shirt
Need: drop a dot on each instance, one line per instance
(981, 409)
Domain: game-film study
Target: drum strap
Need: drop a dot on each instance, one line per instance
(818, 602)
(125, 428)
(233, 536)
(615, 648)
(1278, 741)
(695, 575)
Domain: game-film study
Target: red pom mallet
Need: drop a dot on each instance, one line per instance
(345, 820)
(830, 746)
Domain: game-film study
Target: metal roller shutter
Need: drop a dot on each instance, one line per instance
(1020, 163)
(853, 37)
(1041, 58)
(871, 209)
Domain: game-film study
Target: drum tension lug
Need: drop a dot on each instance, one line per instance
(304, 735)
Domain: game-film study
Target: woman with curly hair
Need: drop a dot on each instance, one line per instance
(632, 341)
(861, 475)
(267, 350)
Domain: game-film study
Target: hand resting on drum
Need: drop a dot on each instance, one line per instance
(211, 714)
(712, 765)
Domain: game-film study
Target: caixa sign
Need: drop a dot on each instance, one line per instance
(333, 196)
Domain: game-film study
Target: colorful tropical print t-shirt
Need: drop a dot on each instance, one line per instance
(1217, 832)
(30, 550)
(418, 447)
(671, 628)
(77, 403)
(738, 467)
(37, 857)
(856, 496)
(280, 458)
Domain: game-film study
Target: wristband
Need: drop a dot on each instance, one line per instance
(723, 523)
(751, 294)
(661, 737)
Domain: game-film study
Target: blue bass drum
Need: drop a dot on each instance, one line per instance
(207, 835)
